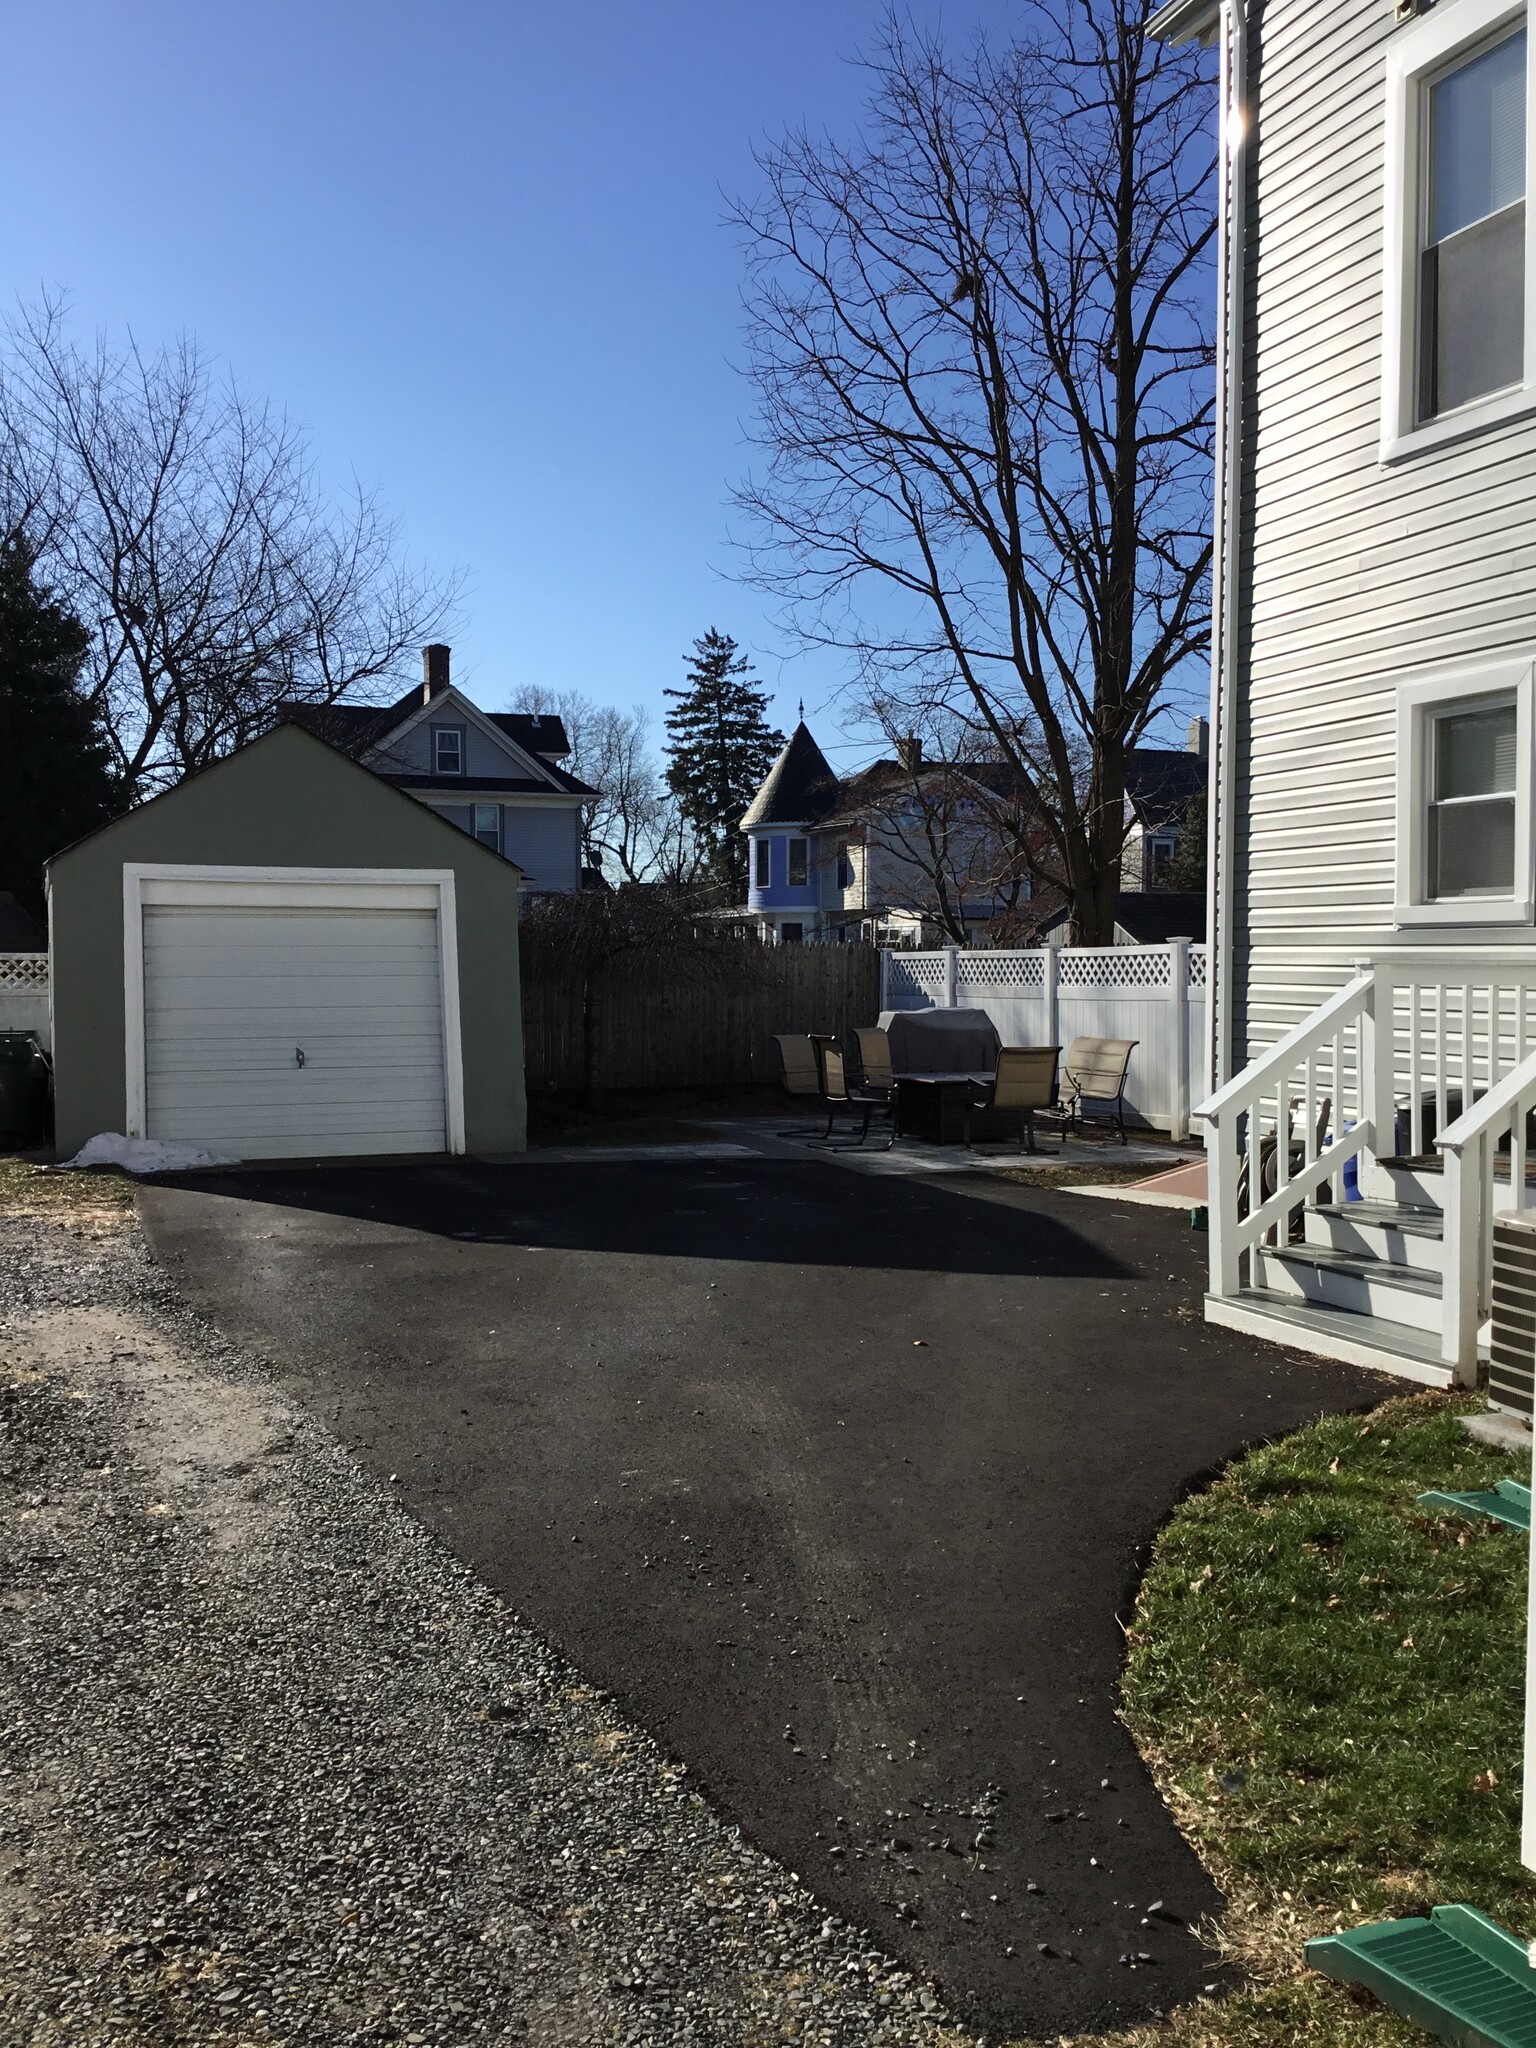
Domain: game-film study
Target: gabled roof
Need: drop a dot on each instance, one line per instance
(799, 789)
(359, 730)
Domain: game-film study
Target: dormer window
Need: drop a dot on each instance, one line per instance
(447, 750)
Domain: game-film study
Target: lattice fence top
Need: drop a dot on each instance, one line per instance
(923, 971)
(1197, 959)
(1129, 970)
(1003, 973)
(27, 971)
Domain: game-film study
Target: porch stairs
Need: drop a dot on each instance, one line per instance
(1363, 1285)
(1419, 1079)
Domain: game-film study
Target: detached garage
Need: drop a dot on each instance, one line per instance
(286, 958)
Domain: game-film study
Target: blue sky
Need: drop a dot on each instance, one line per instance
(477, 250)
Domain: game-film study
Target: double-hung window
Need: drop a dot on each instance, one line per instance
(1464, 838)
(798, 863)
(487, 825)
(447, 750)
(1457, 342)
(762, 863)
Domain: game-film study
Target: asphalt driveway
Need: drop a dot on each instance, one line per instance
(840, 1484)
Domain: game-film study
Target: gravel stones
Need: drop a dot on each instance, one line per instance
(274, 1768)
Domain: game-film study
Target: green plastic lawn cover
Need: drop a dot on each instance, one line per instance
(1506, 1503)
(1459, 1975)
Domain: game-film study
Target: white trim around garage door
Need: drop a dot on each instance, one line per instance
(290, 888)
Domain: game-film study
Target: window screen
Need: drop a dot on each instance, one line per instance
(487, 825)
(1472, 261)
(1472, 805)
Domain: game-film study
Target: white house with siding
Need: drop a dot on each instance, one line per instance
(1373, 887)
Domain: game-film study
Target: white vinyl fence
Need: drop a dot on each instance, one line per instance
(1049, 995)
(24, 993)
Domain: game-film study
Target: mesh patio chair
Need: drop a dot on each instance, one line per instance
(800, 1074)
(874, 1054)
(848, 1098)
(1093, 1083)
(1025, 1082)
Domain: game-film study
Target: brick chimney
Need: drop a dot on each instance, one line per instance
(434, 671)
(910, 753)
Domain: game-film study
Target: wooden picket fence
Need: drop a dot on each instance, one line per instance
(682, 1022)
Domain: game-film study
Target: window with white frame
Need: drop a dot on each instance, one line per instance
(1464, 798)
(798, 863)
(447, 750)
(762, 862)
(1457, 343)
(487, 825)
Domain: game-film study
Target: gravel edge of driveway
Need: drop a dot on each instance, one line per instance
(276, 1768)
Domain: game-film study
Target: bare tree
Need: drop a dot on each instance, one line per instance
(181, 521)
(633, 830)
(982, 354)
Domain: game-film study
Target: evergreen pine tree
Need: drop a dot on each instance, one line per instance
(719, 747)
(56, 778)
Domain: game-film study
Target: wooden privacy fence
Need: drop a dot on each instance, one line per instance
(665, 1020)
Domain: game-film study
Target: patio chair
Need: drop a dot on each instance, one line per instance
(873, 1048)
(1093, 1083)
(845, 1098)
(799, 1074)
(1025, 1081)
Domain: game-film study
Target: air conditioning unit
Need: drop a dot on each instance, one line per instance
(1512, 1349)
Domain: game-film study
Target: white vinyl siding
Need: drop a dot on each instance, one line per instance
(233, 995)
(1359, 578)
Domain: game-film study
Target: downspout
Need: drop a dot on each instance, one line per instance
(1232, 231)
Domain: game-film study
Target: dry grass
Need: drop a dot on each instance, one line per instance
(95, 1202)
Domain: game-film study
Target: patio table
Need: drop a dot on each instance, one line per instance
(932, 1106)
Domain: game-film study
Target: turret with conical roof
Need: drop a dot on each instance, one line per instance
(785, 884)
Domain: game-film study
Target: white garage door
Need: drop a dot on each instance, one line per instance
(287, 1030)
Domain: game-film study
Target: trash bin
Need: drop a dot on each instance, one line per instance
(23, 1091)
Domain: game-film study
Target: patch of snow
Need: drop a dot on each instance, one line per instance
(143, 1155)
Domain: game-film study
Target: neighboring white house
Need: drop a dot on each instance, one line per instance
(1373, 894)
(494, 774)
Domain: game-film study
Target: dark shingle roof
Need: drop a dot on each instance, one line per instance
(1151, 916)
(1161, 781)
(799, 789)
(356, 728)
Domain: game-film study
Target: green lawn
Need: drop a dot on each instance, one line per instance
(1328, 1684)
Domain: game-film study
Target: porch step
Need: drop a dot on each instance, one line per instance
(1359, 1283)
(1382, 1230)
(1398, 1348)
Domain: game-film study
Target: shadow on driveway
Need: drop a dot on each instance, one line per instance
(841, 1485)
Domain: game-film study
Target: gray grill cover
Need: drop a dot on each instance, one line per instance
(941, 1041)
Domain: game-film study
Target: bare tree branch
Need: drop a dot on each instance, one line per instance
(182, 522)
(982, 356)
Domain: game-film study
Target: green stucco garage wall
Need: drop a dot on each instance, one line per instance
(287, 800)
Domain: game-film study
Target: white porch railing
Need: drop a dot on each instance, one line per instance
(1425, 1060)
(1322, 1070)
